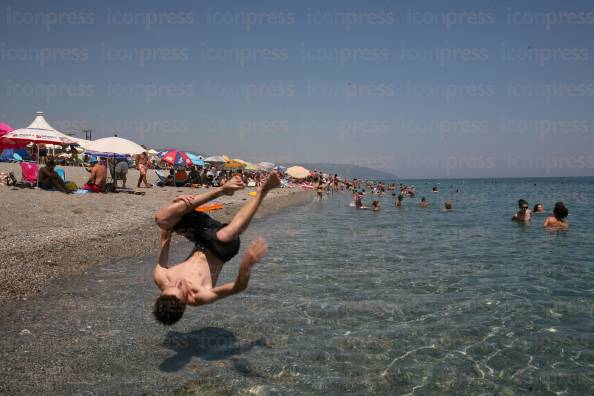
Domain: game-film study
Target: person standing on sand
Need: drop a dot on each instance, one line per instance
(193, 282)
(142, 165)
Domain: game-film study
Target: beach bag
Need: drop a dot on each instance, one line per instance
(71, 186)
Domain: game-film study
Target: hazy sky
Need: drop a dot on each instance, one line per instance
(417, 88)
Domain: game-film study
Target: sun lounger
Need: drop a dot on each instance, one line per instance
(162, 178)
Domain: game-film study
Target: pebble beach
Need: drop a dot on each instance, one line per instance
(48, 235)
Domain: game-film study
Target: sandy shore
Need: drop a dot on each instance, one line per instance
(49, 234)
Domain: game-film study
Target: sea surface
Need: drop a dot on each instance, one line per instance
(421, 301)
(396, 302)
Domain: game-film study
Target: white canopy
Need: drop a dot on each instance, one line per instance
(38, 132)
(81, 142)
(216, 159)
(114, 145)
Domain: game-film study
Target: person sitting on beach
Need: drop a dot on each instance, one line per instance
(523, 215)
(448, 206)
(96, 182)
(193, 282)
(376, 205)
(538, 208)
(556, 220)
(194, 176)
(48, 179)
(424, 203)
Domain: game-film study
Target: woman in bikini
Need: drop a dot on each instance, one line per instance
(143, 163)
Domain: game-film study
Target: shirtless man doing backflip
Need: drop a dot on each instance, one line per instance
(193, 282)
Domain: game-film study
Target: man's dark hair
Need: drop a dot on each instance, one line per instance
(560, 211)
(522, 204)
(168, 309)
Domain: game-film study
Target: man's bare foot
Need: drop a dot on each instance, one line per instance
(273, 181)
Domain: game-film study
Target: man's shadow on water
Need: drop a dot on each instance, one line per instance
(208, 343)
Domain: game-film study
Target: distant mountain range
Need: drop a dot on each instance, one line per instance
(349, 171)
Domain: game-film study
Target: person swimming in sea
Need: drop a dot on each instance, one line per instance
(447, 206)
(538, 208)
(556, 220)
(376, 205)
(424, 203)
(399, 201)
(524, 214)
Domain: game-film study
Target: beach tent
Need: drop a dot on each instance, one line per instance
(11, 154)
(40, 131)
(114, 147)
(298, 172)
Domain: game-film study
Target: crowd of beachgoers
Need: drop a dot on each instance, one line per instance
(399, 191)
(106, 174)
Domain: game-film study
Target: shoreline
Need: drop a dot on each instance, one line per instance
(47, 235)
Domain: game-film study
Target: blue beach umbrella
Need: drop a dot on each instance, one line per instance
(196, 159)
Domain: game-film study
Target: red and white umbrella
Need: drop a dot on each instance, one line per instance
(176, 158)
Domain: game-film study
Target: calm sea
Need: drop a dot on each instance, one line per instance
(422, 301)
(401, 301)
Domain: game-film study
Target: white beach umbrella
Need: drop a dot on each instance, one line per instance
(114, 146)
(81, 142)
(216, 159)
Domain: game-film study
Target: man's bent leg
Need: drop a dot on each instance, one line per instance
(243, 218)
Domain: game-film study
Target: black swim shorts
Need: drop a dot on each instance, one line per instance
(201, 229)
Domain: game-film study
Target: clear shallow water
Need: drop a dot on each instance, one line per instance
(420, 301)
(404, 301)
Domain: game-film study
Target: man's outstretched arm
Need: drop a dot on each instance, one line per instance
(254, 254)
(170, 215)
(160, 272)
